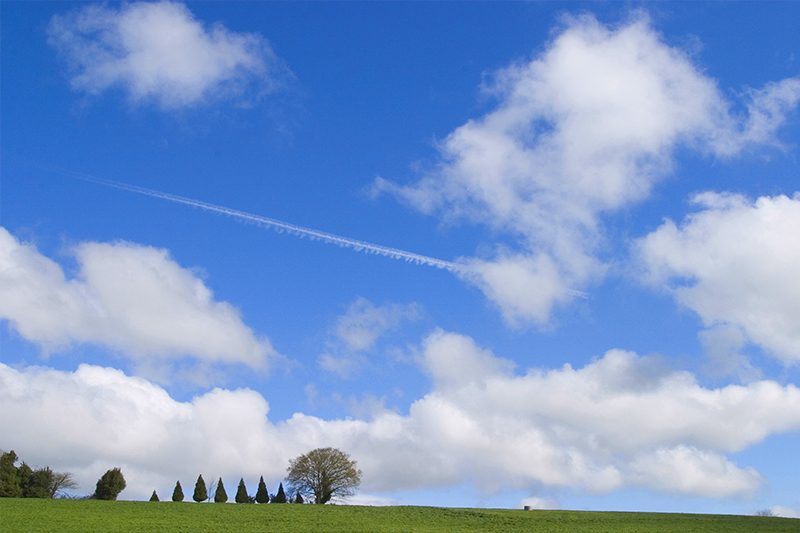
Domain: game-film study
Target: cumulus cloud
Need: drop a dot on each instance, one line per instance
(735, 264)
(160, 52)
(723, 345)
(687, 470)
(132, 298)
(587, 127)
(357, 331)
(768, 108)
(622, 420)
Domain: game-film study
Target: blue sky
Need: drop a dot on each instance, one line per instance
(615, 188)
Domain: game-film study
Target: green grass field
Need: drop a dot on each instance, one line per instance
(80, 516)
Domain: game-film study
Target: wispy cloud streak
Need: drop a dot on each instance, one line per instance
(345, 242)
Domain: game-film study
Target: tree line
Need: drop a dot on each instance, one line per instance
(220, 495)
(24, 482)
(324, 474)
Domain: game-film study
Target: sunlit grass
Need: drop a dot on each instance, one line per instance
(80, 516)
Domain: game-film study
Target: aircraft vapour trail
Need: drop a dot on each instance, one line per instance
(344, 242)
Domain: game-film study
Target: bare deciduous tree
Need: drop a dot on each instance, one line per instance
(60, 481)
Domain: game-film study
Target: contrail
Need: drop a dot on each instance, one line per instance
(345, 242)
(278, 225)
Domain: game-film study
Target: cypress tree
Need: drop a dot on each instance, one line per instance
(261, 495)
(280, 497)
(200, 493)
(177, 494)
(154, 497)
(220, 496)
(241, 493)
(298, 498)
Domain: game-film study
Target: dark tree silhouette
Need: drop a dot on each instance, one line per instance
(280, 497)
(154, 497)
(9, 480)
(220, 496)
(241, 493)
(177, 494)
(261, 495)
(200, 493)
(110, 485)
(27, 483)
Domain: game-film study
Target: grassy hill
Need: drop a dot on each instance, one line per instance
(80, 516)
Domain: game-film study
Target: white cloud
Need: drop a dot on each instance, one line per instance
(723, 345)
(735, 263)
(364, 322)
(620, 421)
(687, 470)
(768, 108)
(357, 331)
(454, 360)
(131, 298)
(538, 503)
(159, 51)
(369, 499)
(785, 512)
(343, 365)
(587, 127)
(525, 286)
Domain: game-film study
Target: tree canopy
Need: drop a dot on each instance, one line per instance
(177, 493)
(280, 497)
(241, 493)
(200, 493)
(110, 485)
(28, 483)
(325, 472)
(261, 495)
(220, 496)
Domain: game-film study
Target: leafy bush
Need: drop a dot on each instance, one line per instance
(110, 485)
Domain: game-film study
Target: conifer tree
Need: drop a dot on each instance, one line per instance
(220, 496)
(24, 474)
(9, 478)
(298, 498)
(280, 497)
(241, 493)
(110, 485)
(177, 494)
(29, 483)
(154, 497)
(200, 493)
(261, 495)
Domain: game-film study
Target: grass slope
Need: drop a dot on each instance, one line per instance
(80, 516)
